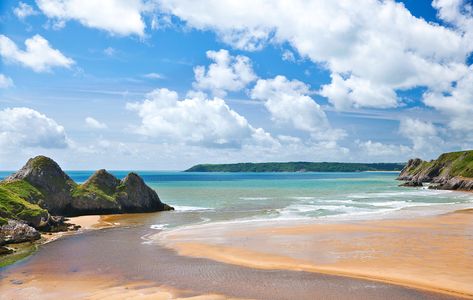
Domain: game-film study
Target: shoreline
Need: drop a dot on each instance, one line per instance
(249, 246)
(26, 249)
(125, 273)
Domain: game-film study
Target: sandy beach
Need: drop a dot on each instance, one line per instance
(422, 258)
(125, 263)
(431, 253)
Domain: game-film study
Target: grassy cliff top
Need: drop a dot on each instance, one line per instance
(14, 203)
(448, 164)
(297, 167)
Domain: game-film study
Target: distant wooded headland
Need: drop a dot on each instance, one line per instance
(297, 167)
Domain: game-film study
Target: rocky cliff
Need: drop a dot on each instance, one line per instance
(41, 190)
(450, 171)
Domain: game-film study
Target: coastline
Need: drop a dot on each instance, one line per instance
(427, 253)
(86, 223)
(98, 264)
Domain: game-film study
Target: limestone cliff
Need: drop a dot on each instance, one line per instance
(41, 189)
(450, 171)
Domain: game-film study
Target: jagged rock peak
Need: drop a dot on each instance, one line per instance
(137, 196)
(39, 166)
(47, 176)
(103, 180)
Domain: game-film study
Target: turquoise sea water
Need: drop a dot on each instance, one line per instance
(208, 197)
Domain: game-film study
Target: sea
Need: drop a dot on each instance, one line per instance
(136, 250)
(257, 197)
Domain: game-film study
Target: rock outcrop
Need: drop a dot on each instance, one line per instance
(104, 193)
(17, 232)
(45, 174)
(132, 188)
(450, 171)
(40, 191)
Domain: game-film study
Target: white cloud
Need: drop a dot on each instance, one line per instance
(457, 12)
(154, 76)
(424, 135)
(457, 103)
(94, 124)
(357, 92)
(195, 121)
(5, 82)
(389, 152)
(289, 104)
(371, 48)
(24, 10)
(161, 22)
(24, 127)
(114, 16)
(38, 54)
(226, 73)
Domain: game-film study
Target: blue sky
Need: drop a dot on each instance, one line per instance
(165, 84)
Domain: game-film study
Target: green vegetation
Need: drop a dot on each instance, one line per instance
(21, 251)
(85, 191)
(297, 167)
(14, 203)
(463, 165)
(41, 161)
(3, 221)
(448, 164)
(24, 190)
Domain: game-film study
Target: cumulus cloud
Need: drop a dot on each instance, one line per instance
(457, 103)
(226, 73)
(38, 54)
(117, 17)
(357, 92)
(371, 48)
(94, 124)
(289, 104)
(423, 135)
(195, 121)
(389, 152)
(456, 12)
(24, 127)
(5, 82)
(24, 10)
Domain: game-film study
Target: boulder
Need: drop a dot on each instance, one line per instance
(411, 184)
(17, 232)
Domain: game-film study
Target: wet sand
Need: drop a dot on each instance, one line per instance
(119, 263)
(430, 253)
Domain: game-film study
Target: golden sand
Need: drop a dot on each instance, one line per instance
(432, 253)
(92, 287)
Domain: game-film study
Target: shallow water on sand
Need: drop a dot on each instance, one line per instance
(120, 254)
(128, 254)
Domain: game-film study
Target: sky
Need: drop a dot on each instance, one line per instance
(166, 84)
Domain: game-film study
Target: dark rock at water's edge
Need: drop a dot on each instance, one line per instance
(104, 193)
(40, 193)
(412, 184)
(450, 171)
